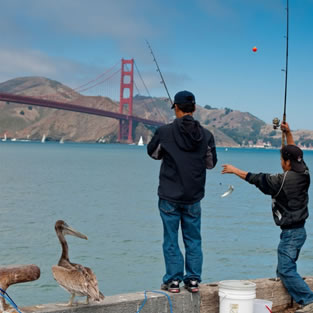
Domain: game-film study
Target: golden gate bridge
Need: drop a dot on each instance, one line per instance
(126, 94)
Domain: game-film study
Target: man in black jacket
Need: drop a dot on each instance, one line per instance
(186, 150)
(289, 192)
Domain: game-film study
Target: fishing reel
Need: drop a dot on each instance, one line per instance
(276, 122)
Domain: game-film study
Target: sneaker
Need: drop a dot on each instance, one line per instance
(306, 308)
(172, 286)
(193, 286)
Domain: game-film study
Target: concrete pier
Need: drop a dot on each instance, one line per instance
(206, 301)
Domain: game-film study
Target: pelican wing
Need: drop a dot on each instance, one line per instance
(71, 280)
(80, 280)
(92, 284)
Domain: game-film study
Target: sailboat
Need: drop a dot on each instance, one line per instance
(62, 140)
(43, 139)
(5, 137)
(140, 142)
(25, 140)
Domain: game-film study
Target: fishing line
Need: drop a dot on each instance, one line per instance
(5, 295)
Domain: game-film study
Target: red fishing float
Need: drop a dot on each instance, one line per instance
(254, 49)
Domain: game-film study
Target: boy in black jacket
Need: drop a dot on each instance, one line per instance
(186, 150)
(289, 192)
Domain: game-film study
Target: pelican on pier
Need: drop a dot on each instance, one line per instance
(78, 280)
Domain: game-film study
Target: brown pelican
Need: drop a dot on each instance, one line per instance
(78, 280)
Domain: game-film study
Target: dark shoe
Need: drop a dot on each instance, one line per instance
(306, 308)
(172, 286)
(193, 286)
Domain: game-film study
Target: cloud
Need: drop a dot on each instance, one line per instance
(22, 62)
(32, 62)
(122, 24)
(120, 19)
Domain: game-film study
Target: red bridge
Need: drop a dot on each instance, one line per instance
(126, 100)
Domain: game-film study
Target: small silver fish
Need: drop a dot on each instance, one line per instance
(228, 192)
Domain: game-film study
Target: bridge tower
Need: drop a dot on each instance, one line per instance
(126, 99)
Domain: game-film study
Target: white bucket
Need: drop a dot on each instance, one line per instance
(236, 296)
(262, 306)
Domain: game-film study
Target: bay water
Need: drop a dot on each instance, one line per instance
(109, 193)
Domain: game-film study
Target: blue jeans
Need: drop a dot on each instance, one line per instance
(189, 215)
(291, 242)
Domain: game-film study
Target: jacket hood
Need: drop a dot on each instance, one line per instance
(187, 132)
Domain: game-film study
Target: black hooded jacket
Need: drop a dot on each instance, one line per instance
(186, 150)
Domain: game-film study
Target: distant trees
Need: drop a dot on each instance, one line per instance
(228, 110)
(208, 107)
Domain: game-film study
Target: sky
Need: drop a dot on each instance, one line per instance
(204, 46)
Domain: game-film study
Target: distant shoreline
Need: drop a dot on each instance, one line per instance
(9, 140)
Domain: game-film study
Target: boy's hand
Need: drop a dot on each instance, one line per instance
(229, 169)
(285, 127)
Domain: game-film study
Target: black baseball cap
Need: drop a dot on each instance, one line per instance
(185, 100)
(295, 155)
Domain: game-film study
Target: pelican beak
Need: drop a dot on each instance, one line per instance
(67, 230)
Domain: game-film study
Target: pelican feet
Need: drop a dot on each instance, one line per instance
(72, 303)
(84, 302)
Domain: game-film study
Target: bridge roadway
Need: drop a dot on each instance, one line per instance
(74, 108)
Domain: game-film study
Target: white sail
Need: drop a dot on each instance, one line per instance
(62, 140)
(43, 139)
(5, 137)
(140, 142)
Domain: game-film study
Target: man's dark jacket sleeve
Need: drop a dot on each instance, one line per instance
(154, 146)
(211, 157)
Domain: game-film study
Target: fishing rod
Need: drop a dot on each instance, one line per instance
(158, 70)
(276, 120)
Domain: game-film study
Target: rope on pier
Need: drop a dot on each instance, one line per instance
(160, 292)
(5, 295)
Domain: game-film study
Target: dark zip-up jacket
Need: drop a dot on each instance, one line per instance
(187, 150)
(289, 193)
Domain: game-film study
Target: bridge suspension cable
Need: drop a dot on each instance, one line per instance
(100, 82)
(95, 79)
(142, 80)
(147, 90)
